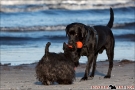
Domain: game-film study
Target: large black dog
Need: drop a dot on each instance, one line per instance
(95, 39)
(56, 67)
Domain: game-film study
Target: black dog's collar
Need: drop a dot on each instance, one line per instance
(95, 32)
(88, 35)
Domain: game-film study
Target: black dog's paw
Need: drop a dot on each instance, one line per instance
(84, 78)
(91, 77)
(107, 76)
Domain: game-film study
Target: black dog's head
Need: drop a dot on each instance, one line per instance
(76, 32)
(71, 53)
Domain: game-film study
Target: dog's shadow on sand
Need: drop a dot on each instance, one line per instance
(80, 74)
(38, 83)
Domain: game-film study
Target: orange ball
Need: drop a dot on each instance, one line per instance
(79, 44)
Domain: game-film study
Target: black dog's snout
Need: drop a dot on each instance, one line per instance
(70, 42)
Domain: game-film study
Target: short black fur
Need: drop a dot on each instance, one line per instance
(92, 45)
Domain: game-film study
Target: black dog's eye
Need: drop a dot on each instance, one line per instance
(72, 33)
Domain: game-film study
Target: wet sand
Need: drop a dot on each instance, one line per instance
(22, 77)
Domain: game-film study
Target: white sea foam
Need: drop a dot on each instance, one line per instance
(24, 55)
(71, 4)
(79, 2)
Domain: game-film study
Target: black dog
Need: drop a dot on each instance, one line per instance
(56, 67)
(95, 39)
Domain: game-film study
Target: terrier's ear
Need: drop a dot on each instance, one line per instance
(64, 46)
(67, 31)
(47, 48)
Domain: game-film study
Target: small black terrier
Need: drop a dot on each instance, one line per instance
(56, 67)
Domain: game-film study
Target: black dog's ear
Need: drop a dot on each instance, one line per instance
(89, 30)
(92, 30)
(83, 31)
(83, 35)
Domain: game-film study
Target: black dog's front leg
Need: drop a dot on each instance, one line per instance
(94, 67)
(87, 70)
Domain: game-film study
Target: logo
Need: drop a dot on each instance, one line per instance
(113, 87)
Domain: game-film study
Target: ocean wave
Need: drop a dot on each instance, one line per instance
(12, 40)
(46, 19)
(33, 28)
(54, 37)
(128, 37)
(40, 38)
(58, 27)
(34, 5)
(130, 25)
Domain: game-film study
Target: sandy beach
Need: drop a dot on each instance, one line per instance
(22, 77)
(27, 25)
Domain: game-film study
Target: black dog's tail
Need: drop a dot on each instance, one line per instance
(47, 48)
(110, 23)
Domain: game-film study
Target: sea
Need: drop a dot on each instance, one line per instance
(26, 27)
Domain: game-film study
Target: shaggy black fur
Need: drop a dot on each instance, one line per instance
(56, 67)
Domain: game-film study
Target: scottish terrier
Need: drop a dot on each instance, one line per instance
(56, 67)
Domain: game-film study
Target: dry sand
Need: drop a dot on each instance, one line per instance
(22, 77)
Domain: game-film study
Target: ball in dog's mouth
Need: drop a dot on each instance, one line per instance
(79, 44)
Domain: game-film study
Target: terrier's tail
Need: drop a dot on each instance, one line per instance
(110, 23)
(47, 48)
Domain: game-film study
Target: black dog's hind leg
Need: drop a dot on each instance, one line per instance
(90, 60)
(110, 54)
(94, 67)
